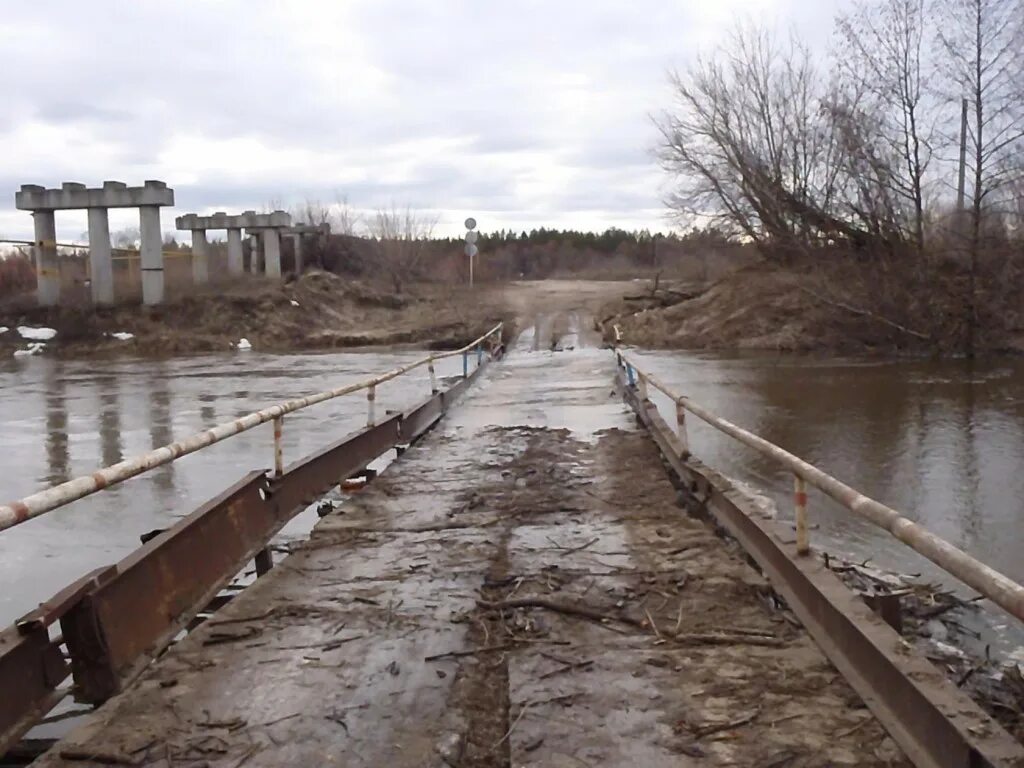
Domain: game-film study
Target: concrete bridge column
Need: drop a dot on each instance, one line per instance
(235, 261)
(151, 256)
(272, 252)
(200, 257)
(47, 267)
(297, 240)
(254, 254)
(101, 268)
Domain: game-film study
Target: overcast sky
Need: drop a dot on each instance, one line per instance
(521, 112)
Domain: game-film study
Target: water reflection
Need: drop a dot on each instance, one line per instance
(111, 447)
(160, 424)
(58, 457)
(207, 413)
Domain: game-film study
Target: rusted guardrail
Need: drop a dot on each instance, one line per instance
(1001, 590)
(118, 618)
(936, 724)
(17, 512)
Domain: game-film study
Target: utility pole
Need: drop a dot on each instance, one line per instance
(471, 249)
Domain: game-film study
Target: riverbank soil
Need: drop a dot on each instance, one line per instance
(839, 309)
(520, 588)
(318, 311)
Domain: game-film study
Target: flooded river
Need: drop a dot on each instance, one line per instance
(940, 441)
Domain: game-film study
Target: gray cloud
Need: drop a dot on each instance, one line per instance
(522, 109)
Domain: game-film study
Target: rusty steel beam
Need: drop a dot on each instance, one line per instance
(31, 669)
(32, 666)
(936, 724)
(309, 478)
(119, 627)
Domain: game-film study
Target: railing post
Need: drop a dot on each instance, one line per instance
(641, 386)
(465, 365)
(278, 450)
(800, 499)
(371, 396)
(684, 441)
(629, 375)
(433, 376)
(479, 354)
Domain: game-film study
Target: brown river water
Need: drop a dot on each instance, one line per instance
(940, 441)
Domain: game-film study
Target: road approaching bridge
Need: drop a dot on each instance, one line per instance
(520, 588)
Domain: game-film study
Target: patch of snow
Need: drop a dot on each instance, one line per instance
(36, 334)
(122, 335)
(295, 303)
(243, 344)
(4, 329)
(36, 348)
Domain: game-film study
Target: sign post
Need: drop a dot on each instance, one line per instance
(471, 249)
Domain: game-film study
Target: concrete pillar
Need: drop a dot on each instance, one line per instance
(47, 267)
(297, 240)
(254, 254)
(101, 268)
(200, 257)
(152, 257)
(235, 261)
(272, 252)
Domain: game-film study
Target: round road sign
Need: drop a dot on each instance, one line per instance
(471, 250)
(471, 236)
(470, 223)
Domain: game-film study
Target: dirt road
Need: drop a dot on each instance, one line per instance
(519, 589)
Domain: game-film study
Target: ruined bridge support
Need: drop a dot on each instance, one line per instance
(43, 203)
(268, 226)
(297, 232)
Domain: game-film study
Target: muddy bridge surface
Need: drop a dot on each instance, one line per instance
(522, 587)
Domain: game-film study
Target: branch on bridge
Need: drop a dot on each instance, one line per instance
(696, 638)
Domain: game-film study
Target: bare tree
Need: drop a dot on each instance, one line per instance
(402, 241)
(980, 45)
(880, 61)
(753, 149)
(345, 220)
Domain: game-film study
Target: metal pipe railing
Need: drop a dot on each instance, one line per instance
(993, 585)
(17, 512)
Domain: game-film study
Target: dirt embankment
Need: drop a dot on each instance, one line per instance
(770, 307)
(320, 310)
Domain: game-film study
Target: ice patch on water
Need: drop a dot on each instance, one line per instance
(4, 329)
(36, 348)
(36, 334)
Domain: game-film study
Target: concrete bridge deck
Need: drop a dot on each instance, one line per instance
(519, 589)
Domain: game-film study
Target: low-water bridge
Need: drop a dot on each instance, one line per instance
(519, 588)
